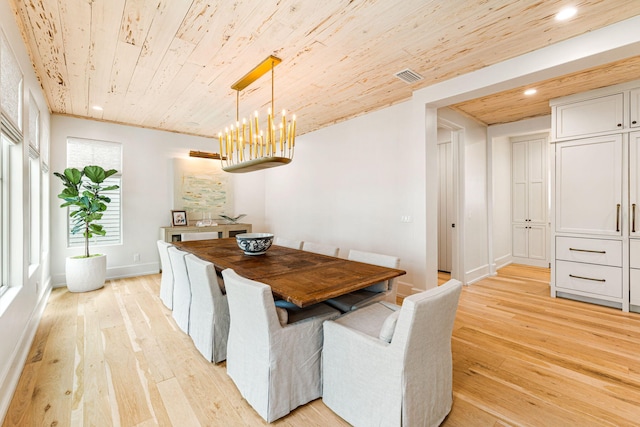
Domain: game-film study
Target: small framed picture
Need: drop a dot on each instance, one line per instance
(178, 218)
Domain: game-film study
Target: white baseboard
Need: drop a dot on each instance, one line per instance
(477, 274)
(132, 270)
(404, 289)
(502, 261)
(532, 262)
(9, 382)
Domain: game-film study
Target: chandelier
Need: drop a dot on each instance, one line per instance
(244, 147)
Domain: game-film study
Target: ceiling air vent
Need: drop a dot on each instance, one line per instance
(408, 76)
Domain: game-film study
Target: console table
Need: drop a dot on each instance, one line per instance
(172, 234)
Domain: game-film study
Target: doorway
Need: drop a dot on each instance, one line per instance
(450, 227)
(445, 204)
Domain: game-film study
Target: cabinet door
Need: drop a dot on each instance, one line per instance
(528, 184)
(519, 182)
(634, 183)
(589, 186)
(603, 114)
(520, 242)
(634, 108)
(537, 239)
(634, 286)
(537, 174)
(529, 241)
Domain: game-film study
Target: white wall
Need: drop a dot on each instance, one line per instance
(147, 191)
(501, 201)
(350, 184)
(22, 305)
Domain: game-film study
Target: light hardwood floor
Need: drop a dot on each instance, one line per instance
(116, 357)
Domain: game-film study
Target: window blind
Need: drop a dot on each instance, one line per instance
(84, 152)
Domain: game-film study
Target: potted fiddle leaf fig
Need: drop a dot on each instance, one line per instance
(82, 193)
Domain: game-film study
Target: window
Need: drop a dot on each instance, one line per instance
(10, 135)
(34, 208)
(10, 85)
(84, 152)
(4, 211)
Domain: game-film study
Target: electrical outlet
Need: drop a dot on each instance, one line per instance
(136, 257)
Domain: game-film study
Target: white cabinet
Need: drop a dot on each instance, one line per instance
(634, 215)
(634, 108)
(588, 187)
(634, 273)
(634, 184)
(590, 116)
(529, 200)
(596, 200)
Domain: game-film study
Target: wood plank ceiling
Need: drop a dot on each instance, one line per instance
(169, 64)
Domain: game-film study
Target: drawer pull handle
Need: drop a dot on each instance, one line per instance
(587, 278)
(588, 250)
(618, 217)
(633, 218)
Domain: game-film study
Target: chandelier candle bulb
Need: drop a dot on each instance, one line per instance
(283, 128)
(281, 138)
(250, 132)
(244, 127)
(261, 144)
(293, 132)
(273, 140)
(269, 124)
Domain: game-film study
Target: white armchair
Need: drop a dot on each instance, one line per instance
(274, 362)
(391, 366)
(320, 248)
(181, 288)
(166, 280)
(288, 243)
(383, 291)
(209, 311)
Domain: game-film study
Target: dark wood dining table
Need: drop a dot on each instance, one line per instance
(300, 277)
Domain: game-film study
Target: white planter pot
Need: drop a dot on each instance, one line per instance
(86, 274)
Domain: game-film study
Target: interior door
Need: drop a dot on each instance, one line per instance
(445, 206)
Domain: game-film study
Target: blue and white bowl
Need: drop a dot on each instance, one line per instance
(254, 243)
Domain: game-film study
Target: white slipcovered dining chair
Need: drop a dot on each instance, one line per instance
(273, 356)
(320, 248)
(166, 280)
(383, 291)
(391, 366)
(181, 288)
(204, 235)
(287, 243)
(209, 311)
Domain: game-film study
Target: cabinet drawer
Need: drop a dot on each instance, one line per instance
(634, 253)
(594, 279)
(634, 287)
(592, 251)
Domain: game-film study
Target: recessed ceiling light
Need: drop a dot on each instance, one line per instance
(566, 13)
(97, 108)
(530, 91)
